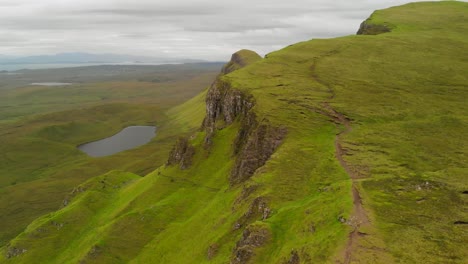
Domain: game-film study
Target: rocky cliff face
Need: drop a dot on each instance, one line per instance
(223, 106)
(253, 147)
(255, 142)
(181, 154)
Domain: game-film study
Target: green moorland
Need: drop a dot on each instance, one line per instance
(106, 73)
(40, 128)
(372, 168)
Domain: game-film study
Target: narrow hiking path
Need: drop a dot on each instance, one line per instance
(364, 244)
(359, 216)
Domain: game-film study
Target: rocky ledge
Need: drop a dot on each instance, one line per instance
(252, 238)
(367, 28)
(256, 141)
(181, 154)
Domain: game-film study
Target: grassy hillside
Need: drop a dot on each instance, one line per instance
(346, 150)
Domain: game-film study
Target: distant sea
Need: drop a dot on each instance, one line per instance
(15, 67)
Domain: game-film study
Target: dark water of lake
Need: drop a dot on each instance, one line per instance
(51, 84)
(128, 138)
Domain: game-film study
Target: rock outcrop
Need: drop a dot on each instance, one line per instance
(368, 28)
(212, 251)
(181, 154)
(254, 145)
(253, 237)
(239, 60)
(258, 210)
(223, 106)
(14, 252)
(256, 141)
(294, 259)
(92, 254)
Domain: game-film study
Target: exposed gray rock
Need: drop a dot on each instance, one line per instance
(14, 252)
(254, 145)
(181, 154)
(367, 28)
(294, 259)
(223, 106)
(255, 142)
(252, 238)
(258, 210)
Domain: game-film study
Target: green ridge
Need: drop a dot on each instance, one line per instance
(404, 93)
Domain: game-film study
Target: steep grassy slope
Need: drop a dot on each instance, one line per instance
(348, 150)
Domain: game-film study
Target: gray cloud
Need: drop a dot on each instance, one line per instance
(206, 29)
(236, 25)
(145, 12)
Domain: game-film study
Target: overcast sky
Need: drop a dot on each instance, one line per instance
(203, 29)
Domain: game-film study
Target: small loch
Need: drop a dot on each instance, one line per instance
(128, 138)
(51, 84)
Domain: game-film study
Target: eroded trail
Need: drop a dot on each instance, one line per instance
(359, 217)
(364, 244)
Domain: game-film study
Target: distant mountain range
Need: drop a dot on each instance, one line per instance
(81, 57)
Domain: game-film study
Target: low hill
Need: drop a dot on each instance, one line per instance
(345, 150)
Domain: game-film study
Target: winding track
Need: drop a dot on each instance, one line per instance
(359, 217)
